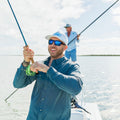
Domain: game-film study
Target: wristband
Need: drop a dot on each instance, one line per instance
(29, 72)
(25, 64)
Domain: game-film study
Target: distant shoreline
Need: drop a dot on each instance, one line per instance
(98, 55)
(77, 55)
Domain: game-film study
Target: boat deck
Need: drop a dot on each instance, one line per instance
(78, 114)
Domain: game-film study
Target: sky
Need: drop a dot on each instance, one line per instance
(39, 18)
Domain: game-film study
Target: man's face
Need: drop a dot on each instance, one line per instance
(68, 29)
(56, 51)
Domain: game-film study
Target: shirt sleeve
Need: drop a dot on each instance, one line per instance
(71, 83)
(21, 79)
(78, 40)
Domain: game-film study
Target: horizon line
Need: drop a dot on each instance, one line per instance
(77, 55)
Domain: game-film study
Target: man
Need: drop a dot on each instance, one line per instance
(71, 50)
(56, 80)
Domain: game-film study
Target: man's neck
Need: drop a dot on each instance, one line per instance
(68, 33)
(52, 58)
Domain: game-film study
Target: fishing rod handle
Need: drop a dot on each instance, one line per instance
(31, 59)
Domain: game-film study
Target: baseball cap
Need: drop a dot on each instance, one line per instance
(60, 36)
(67, 25)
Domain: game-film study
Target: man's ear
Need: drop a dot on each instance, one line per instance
(66, 47)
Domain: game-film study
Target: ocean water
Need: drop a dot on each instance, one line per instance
(101, 86)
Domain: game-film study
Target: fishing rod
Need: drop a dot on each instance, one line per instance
(28, 72)
(17, 23)
(18, 26)
(94, 21)
(11, 95)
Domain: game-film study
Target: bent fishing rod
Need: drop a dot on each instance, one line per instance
(18, 26)
(22, 38)
(93, 21)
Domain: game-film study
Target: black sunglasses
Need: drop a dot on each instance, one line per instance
(56, 42)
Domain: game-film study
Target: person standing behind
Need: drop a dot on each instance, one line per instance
(71, 50)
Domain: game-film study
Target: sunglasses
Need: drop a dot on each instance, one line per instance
(56, 42)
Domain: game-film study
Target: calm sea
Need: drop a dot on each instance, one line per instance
(101, 86)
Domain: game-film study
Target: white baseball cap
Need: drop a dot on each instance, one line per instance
(60, 36)
(67, 25)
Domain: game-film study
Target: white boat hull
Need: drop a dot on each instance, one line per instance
(78, 114)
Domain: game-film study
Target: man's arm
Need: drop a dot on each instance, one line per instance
(21, 79)
(78, 39)
(71, 83)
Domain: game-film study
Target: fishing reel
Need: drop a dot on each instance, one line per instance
(29, 72)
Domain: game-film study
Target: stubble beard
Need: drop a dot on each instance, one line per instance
(58, 54)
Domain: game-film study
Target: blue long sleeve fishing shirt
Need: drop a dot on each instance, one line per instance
(52, 91)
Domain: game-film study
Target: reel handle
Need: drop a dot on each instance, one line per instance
(32, 60)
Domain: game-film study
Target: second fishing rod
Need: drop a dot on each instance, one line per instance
(93, 21)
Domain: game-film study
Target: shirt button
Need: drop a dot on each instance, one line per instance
(42, 99)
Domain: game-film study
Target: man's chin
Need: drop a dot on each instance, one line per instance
(53, 56)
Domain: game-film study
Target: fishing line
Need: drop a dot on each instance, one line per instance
(93, 21)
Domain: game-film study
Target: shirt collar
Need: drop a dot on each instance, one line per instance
(56, 61)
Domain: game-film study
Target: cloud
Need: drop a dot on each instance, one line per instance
(115, 11)
(99, 46)
(41, 17)
(37, 18)
(117, 19)
(107, 0)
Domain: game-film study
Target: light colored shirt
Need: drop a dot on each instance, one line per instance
(52, 92)
(72, 45)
